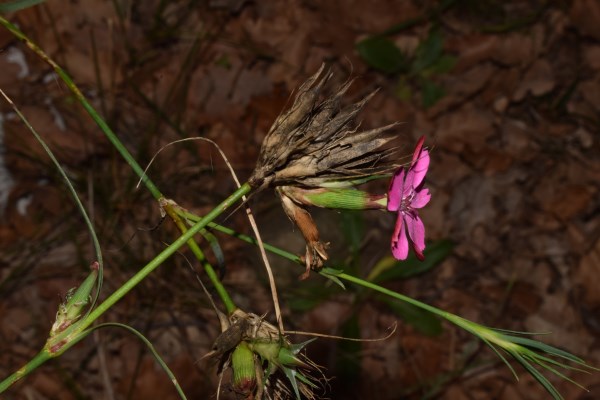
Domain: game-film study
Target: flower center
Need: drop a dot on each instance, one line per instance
(405, 205)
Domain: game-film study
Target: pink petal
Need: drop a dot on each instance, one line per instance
(399, 240)
(418, 253)
(408, 183)
(395, 190)
(421, 198)
(420, 167)
(416, 232)
(418, 148)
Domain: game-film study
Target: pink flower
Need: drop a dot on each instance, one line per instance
(405, 195)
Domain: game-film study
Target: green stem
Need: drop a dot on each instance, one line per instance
(444, 314)
(208, 268)
(150, 186)
(44, 355)
(248, 239)
(88, 107)
(166, 253)
(349, 278)
(122, 150)
(35, 362)
(40, 358)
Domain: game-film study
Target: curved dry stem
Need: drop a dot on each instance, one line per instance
(249, 214)
(393, 328)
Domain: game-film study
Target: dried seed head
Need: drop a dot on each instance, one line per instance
(280, 367)
(317, 141)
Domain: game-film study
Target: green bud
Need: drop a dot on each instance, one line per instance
(266, 350)
(244, 369)
(75, 301)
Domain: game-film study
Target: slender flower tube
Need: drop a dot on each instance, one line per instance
(405, 196)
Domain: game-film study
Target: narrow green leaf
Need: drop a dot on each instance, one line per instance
(216, 248)
(504, 360)
(330, 274)
(538, 376)
(556, 372)
(520, 332)
(382, 54)
(290, 373)
(585, 368)
(305, 380)
(543, 347)
(17, 5)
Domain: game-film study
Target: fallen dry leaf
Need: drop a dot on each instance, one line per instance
(472, 49)
(587, 276)
(538, 80)
(591, 52)
(467, 127)
(585, 15)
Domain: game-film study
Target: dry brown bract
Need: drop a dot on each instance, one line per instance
(317, 142)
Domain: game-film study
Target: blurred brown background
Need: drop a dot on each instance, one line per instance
(510, 105)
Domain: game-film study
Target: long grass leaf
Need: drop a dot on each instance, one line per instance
(555, 372)
(538, 376)
(504, 360)
(545, 348)
(80, 206)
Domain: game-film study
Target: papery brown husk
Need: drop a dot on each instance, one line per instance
(317, 140)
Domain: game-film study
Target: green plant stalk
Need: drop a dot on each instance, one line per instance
(166, 253)
(228, 231)
(112, 138)
(35, 362)
(87, 106)
(208, 268)
(470, 326)
(135, 167)
(77, 334)
(292, 257)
